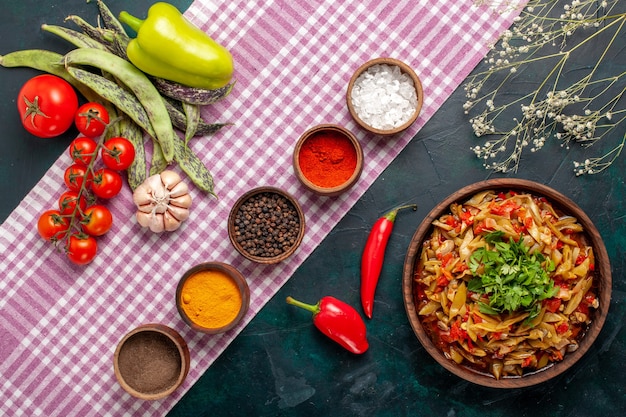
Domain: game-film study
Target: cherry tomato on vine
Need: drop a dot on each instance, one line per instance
(75, 175)
(52, 226)
(81, 249)
(69, 200)
(97, 220)
(83, 150)
(106, 183)
(118, 153)
(47, 104)
(91, 119)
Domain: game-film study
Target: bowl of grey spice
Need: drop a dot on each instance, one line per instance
(151, 361)
(385, 96)
(266, 225)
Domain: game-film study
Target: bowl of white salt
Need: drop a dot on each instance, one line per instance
(385, 96)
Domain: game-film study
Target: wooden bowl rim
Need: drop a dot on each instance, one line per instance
(235, 275)
(602, 264)
(177, 340)
(237, 206)
(331, 191)
(405, 69)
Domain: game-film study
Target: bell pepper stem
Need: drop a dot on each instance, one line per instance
(313, 308)
(391, 216)
(133, 22)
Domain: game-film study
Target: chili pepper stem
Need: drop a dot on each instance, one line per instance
(391, 216)
(313, 308)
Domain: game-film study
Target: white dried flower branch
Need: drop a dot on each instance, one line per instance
(547, 36)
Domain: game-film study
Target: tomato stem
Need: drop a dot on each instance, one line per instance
(77, 214)
(33, 109)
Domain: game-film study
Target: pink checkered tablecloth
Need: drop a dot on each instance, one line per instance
(59, 323)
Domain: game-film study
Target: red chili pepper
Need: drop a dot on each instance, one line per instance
(339, 321)
(374, 255)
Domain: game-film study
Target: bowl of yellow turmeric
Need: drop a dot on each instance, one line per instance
(212, 297)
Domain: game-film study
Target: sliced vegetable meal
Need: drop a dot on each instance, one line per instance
(505, 283)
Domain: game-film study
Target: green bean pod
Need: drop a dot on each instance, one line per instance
(205, 129)
(119, 44)
(179, 120)
(78, 39)
(109, 19)
(46, 61)
(158, 163)
(118, 96)
(137, 171)
(191, 95)
(114, 128)
(193, 167)
(89, 30)
(192, 115)
(141, 87)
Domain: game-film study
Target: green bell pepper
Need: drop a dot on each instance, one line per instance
(169, 46)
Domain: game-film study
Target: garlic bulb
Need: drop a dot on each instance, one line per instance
(163, 202)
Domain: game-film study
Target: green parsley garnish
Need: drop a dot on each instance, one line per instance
(512, 278)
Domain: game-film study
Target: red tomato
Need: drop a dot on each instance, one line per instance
(52, 226)
(526, 362)
(452, 221)
(562, 328)
(118, 153)
(97, 220)
(83, 150)
(81, 249)
(480, 227)
(445, 259)
(504, 209)
(467, 217)
(75, 176)
(91, 119)
(552, 304)
(106, 183)
(47, 105)
(69, 200)
(583, 308)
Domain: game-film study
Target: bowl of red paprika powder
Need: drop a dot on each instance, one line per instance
(328, 159)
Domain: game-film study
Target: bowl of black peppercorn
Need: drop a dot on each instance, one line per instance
(266, 225)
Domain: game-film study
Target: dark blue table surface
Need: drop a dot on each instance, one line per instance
(280, 364)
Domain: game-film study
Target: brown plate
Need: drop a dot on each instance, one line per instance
(602, 267)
